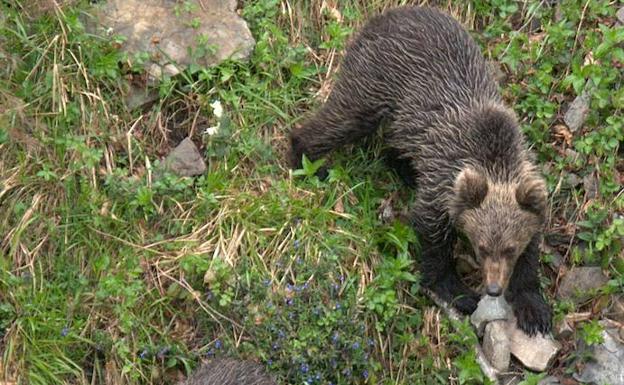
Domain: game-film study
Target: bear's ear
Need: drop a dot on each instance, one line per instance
(470, 190)
(531, 195)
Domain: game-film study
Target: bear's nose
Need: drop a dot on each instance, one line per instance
(494, 289)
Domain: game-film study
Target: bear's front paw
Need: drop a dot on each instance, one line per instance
(455, 293)
(533, 314)
(466, 304)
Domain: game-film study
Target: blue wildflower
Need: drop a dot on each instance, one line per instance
(218, 344)
(365, 374)
(356, 345)
(64, 331)
(304, 368)
(163, 352)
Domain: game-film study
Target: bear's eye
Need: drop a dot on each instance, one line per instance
(483, 251)
(509, 251)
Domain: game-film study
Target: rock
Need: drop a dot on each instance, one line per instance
(620, 16)
(571, 154)
(496, 345)
(607, 365)
(563, 330)
(578, 283)
(590, 185)
(175, 34)
(185, 160)
(549, 380)
(577, 112)
(573, 180)
(510, 379)
(137, 97)
(535, 25)
(534, 352)
(490, 309)
(616, 308)
(386, 210)
(497, 72)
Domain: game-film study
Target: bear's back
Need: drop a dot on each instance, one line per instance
(423, 55)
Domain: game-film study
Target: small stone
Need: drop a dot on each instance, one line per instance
(185, 160)
(620, 16)
(535, 25)
(497, 72)
(534, 352)
(563, 330)
(607, 363)
(577, 112)
(137, 97)
(386, 211)
(550, 380)
(590, 185)
(579, 282)
(490, 309)
(616, 308)
(510, 378)
(496, 345)
(571, 154)
(574, 180)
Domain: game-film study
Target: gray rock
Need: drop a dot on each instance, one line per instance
(534, 352)
(185, 160)
(510, 378)
(490, 309)
(616, 308)
(549, 380)
(579, 282)
(573, 180)
(590, 185)
(137, 97)
(607, 365)
(577, 112)
(573, 155)
(497, 72)
(496, 345)
(620, 16)
(563, 330)
(175, 34)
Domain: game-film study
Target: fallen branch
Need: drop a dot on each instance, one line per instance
(483, 362)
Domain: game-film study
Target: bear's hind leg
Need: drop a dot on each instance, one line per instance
(346, 117)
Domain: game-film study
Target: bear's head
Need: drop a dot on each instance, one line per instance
(499, 219)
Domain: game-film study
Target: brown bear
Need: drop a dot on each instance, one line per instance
(228, 371)
(451, 134)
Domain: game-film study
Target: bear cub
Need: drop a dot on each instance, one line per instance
(452, 136)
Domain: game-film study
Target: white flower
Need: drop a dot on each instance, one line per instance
(211, 130)
(217, 109)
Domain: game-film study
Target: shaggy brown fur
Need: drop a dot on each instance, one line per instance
(230, 372)
(450, 134)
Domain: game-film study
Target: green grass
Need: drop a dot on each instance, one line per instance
(109, 275)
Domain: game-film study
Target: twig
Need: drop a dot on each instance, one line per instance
(483, 362)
